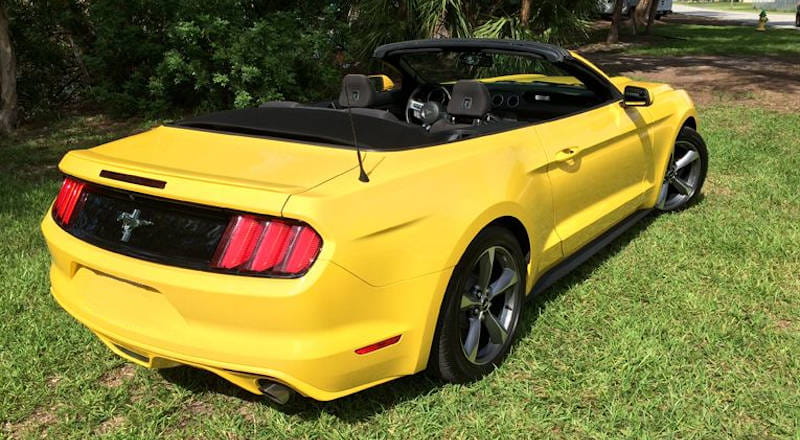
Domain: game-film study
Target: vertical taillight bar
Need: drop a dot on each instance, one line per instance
(266, 245)
(68, 197)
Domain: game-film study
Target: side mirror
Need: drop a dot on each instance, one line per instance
(636, 97)
(381, 82)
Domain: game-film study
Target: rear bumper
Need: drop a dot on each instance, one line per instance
(301, 332)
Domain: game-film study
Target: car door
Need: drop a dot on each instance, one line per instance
(596, 165)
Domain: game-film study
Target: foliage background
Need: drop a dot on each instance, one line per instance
(155, 56)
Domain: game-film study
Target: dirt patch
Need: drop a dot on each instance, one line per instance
(717, 189)
(198, 408)
(767, 82)
(763, 81)
(35, 422)
(109, 425)
(247, 413)
(118, 376)
(192, 411)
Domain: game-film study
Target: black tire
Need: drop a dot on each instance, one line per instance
(678, 174)
(449, 359)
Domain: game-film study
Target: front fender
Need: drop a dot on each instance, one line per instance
(668, 114)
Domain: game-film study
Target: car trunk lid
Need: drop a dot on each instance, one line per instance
(222, 170)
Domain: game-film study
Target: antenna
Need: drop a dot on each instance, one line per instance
(363, 173)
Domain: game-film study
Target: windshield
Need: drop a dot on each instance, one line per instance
(444, 67)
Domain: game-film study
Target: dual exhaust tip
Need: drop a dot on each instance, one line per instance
(276, 392)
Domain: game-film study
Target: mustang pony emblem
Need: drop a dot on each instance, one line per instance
(131, 221)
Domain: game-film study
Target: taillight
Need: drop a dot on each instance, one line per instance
(68, 197)
(258, 244)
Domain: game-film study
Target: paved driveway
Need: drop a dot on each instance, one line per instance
(776, 19)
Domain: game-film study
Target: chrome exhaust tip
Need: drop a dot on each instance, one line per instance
(276, 392)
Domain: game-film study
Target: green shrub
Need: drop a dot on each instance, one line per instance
(215, 63)
(152, 56)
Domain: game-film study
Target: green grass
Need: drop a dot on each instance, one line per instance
(675, 39)
(728, 6)
(688, 326)
(693, 40)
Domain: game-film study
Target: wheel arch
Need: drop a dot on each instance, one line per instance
(507, 215)
(690, 122)
(677, 111)
(520, 232)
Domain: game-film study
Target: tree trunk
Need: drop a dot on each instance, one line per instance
(652, 16)
(78, 54)
(8, 76)
(616, 18)
(525, 12)
(642, 12)
(441, 31)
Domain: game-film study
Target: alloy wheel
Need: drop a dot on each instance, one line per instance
(489, 305)
(683, 177)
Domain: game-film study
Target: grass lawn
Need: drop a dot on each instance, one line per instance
(728, 6)
(695, 39)
(687, 326)
(687, 39)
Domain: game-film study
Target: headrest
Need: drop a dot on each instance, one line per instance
(469, 98)
(357, 91)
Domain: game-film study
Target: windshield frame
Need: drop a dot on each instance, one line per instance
(561, 58)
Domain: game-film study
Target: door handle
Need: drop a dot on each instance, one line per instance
(567, 154)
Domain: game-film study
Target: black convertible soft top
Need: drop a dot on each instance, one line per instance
(312, 124)
(327, 126)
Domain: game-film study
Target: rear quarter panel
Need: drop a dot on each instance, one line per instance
(422, 207)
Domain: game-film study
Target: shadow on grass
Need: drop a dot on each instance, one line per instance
(747, 69)
(365, 404)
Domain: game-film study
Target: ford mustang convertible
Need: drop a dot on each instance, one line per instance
(323, 248)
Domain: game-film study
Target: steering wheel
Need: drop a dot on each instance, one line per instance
(426, 111)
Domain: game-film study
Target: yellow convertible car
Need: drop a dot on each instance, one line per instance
(328, 247)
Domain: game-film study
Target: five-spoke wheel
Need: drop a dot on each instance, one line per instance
(488, 305)
(686, 171)
(483, 303)
(481, 308)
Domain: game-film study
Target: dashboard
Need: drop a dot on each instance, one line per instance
(536, 101)
(515, 101)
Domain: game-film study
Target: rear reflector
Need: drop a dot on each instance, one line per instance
(378, 345)
(260, 244)
(68, 197)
